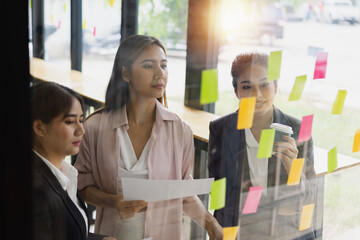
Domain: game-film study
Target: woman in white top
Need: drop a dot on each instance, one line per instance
(58, 209)
(136, 135)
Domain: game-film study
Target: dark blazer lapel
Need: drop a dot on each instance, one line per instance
(74, 211)
(236, 146)
(44, 170)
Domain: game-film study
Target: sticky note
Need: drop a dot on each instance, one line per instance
(246, 113)
(64, 7)
(209, 86)
(320, 65)
(217, 194)
(306, 216)
(230, 233)
(52, 18)
(252, 200)
(266, 143)
(339, 102)
(356, 145)
(30, 4)
(305, 128)
(274, 66)
(297, 88)
(295, 171)
(112, 2)
(84, 24)
(59, 24)
(332, 160)
(94, 31)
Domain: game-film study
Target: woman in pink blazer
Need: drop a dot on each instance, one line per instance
(135, 134)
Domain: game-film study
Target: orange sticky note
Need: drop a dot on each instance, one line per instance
(112, 2)
(246, 113)
(306, 216)
(230, 233)
(295, 171)
(356, 145)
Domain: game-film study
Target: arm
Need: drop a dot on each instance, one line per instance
(126, 209)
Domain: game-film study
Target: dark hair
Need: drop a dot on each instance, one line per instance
(50, 100)
(117, 92)
(243, 61)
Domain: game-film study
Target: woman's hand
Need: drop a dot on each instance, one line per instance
(286, 151)
(213, 228)
(128, 209)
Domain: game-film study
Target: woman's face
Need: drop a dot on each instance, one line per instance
(253, 83)
(63, 135)
(149, 73)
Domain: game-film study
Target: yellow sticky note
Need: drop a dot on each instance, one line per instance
(274, 66)
(356, 145)
(64, 7)
(298, 88)
(295, 171)
(246, 113)
(217, 194)
(266, 143)
(209, 86)
(230, 233)
(112, 2)
(332, 160)
(306, 216)
(84, 24)
(339, 102)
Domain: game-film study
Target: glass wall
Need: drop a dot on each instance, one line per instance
(301, 30)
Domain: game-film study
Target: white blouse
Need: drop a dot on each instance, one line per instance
(130, 166)
(258, 166)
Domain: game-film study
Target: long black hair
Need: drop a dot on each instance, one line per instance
(117, 92)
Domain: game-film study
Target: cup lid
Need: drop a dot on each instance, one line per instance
(282, 128)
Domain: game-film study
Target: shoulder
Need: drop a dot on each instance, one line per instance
(282, 117)
(289, 120)
(229, 119)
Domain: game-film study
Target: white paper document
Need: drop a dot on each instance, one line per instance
(151, 190)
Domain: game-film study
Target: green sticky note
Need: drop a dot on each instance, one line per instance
(266, 143)
(297, 88)
(30, 4)
(64, 7)
(332, 160)
(209, 86)
(217, 194)
(339, 102)
(274, 66)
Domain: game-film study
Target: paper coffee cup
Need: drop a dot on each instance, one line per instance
(281, 130)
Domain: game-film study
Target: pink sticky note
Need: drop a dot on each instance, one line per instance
(305, 128)
(252, 200)
(320, 65)
(94, 32)
(59, 24)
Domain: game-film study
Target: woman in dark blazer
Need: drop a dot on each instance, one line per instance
(231, 153)
(58, 209)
